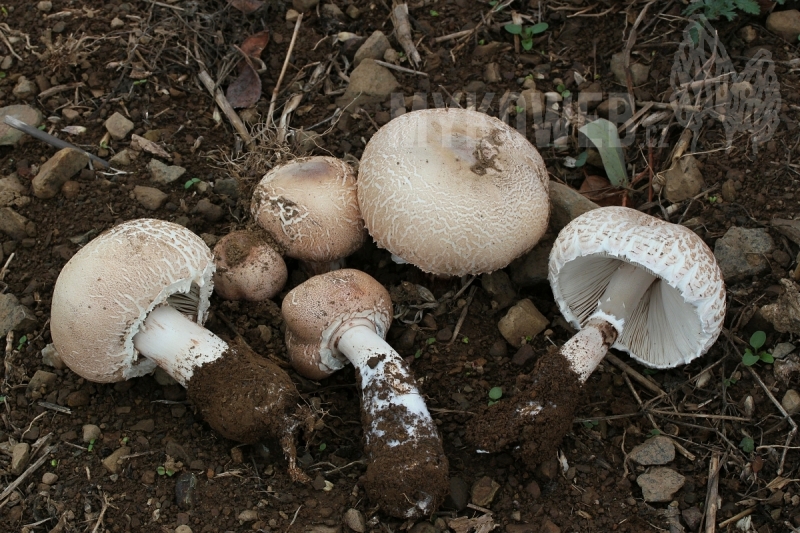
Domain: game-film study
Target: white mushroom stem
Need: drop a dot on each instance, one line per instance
(382, 369)
(625, 290)
(176, 344)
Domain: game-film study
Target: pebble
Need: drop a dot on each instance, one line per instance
(532, 268)
(499, 348)
(549, 527)
(523, 320)
(13, 192)
(248, 515)
(491, 74)
(20, 456)
(45, 6)
(658, 450)
(147, 425)
(782, 349)
(332, 11)
(566, 204)
(292, 15)
(740, 252)
(786, 24)
(354, 519)
(149, 197)
(49, 478)
(118, 126)
(459, 494)
(533, 489)
(90, 433)
(683, 179)
(117, 23)
(162, 173)
(692, 517)
(639, 72)
(659, 484)
(791, 402)
(186, 490)
(41, 380)
(374, 47)
(499, 287)
(50, 357)
(183, 528)
(534, 104)
(484, 491)
(24, 88)
(523, 355)
(113, 463)
(784, 314)
(78, 398)
(124, 157)
(353, 12)
(211, 212)
(228, 187)
(15, 225)
(444, 334)
(57, 170)
(369, 83)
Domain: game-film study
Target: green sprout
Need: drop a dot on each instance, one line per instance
(103, 145)
(519, 109)
(4, 11)
(481, 42)
(653, 433)
(54, 462)
(140, 82)
(526, 33)
(191, 182)
(161, 471)
(434, 13)
(2, 399)
(22, 341)
(2, 75)
(431, 340)
(590, 424)
(747, 445)
(417, 354)
(495, 393)
(322, 447)
(125, 440)
(753, 356)
(465, 340)
(91, 445)
(712, 199)
(581, 159)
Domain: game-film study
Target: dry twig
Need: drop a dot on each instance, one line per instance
(277, 88)
(225, 106)
(402, 28)
(712, 494)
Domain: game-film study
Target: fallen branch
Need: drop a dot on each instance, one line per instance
(712, 493)
(403, 29)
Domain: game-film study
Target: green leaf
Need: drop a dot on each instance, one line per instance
(434, 13)
(417, 354)
(465, 340)
(566, 94)
(537, 28)
(747, 445)
(581, 159)
(513, 29)
(191, 182)
(561, 88)
(758, 339)
(653, 433)
(22, 341)
(767, 358)
(322, 447)
(161, 471)
(527, 44)
(431, 340)
(749, 358)
(748, 6)
(495, 393)
(603, 134)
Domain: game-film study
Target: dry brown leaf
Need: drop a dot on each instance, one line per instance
(246, 6)
(255, 44)
(481, 524)
(599, 190)
(245, 90)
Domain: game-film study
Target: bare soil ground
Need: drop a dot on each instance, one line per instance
(142, 59)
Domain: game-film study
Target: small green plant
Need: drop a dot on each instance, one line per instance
(747, 445)
(519, 109)
(103, 145)
(161, 471)
(482, 42)
(4, 11)
(418, 354)
(434, 13)
(590, 424)
(431, 340)
(713, 9)
(140, 82)
(751, 357)
(581, 159)
(54, 462)
(322, 447)
(562, 90)
(22, 341)
(2, 75)
(125, 440)
(495, 393)
(465, 340)
(653, 433)
(2, 399)
(730, 381)
(90, 448)
(526, 33)
(190, 183)
(712, 199)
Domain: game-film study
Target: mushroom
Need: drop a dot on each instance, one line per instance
(309, 206)
(135, 298)
(248, 268)
(343, 316)
(453, 191)
(626, 280)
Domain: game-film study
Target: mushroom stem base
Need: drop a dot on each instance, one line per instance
(589, 346)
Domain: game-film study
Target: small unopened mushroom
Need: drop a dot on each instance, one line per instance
(629, 281)
(310, 208)
(135, 298)
(453, 191)
(248, 268)
(343, 316)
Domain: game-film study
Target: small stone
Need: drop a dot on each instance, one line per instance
(183, 528)
(499, 348)
(49, 478)
(41, 381)
(292, 15)
(78, 398)
(13, 192)
(45, 5)
(113, 463)
(534, 104)
(354, 519)
(369, 83)
(523, 320)
(248, 515)
(784, 314)
(304, 5)
(124, 157)
(692, 517)
(748, 35)
(658, 450)
(24, 88)
(227, 187)
(484, 491)
(51, 358)
(25, 113)
(374, 47)
(791, 402)
(533, 489)
(15, 226)
(532, 268)
(118, 126)
(549, 527)
(353, 12)
(57, 170)
(728, 191)
(90, 433)
(785, 24)
(162, 173)
(491, 74)
(523, 355)
(782, 349)
(211, 212)
(683, 179)
(499, 287)
(444, 334)
(116, 23)
(740, 252)
(20, 456)
(319, 482)
(639, 72)
(659, 484)
(186, 490)
(332, 11)
(149, 197)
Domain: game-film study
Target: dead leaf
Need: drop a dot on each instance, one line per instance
(141, 144)
(482, 524)
(255, 44)
(246, 6)
(245, 90)
(599, 190)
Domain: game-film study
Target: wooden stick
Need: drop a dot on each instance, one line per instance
(31, 469)
(277, 88)
(643, 381)
(452, 36)
(712, 494)
(403, 29)
(399, 68)
(225, 106)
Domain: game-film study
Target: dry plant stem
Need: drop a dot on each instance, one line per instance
(226, 107)
(102, 514)
(463, 315)
(49, 139)
(452, 36)
(399, 68)
(403, 30)
(30, 470)
(712, 494)
(738, 516)
(277, 88)
(642, 380)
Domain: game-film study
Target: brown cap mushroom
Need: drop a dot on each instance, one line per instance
(344, 315)
(120, 308)
(627, 280)
(248, 268)
(453, 191)
(309, 206)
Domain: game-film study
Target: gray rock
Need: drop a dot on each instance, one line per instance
(639, 72)
(332, 11)
(613, 108)
(533, 102)
(354, 519)
(90, 433)
(50, 357)
(784, 314)
(740, 252)
(659, 484)
(14, 316)
(49, 478)
(13, 192)
(149, 197)
(491, 73)
(210, 212)
(522, 321)
(25, 113)
(248, 515)
(56, 171)
(15, 225)
(484, 491)
(566, 204)
(786, 24)
(124, 157)
(227, 187)
(113, 462)
(118, 126)
(373, 48)
(692, 517)
(186, 490)
(658, 450)
(683, 179)
(498, 285)
(353, 12)
(24, 88)
(458, 498)
(369, 83)
(304, 5)
(532, 268)
(20, 456)
(782, 349)
(791, 402)
(45, 5)
(162, 173)
(41, 381)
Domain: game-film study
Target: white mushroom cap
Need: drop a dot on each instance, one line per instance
(315, 310)
(248, 268)
(678, 318)
(106, 290)
(309, 206)
(453, 191)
